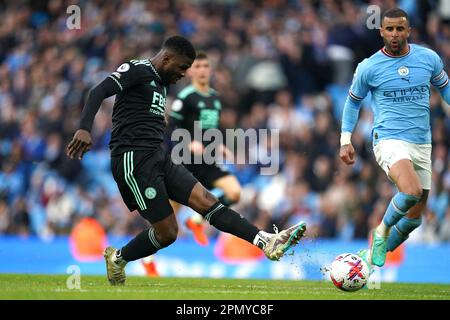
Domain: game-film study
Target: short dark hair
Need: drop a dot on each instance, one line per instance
(394, 13)
(201, 55)
(181, 46)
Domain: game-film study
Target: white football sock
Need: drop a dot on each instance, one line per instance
(382, 230)
(262, 239)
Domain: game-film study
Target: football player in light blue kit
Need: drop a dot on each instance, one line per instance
(398, 77)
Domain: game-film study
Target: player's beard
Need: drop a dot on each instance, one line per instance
(165, 79)
(168, 78)
(395, 49)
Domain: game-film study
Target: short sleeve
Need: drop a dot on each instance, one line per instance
(360, 86)
(127, 75)
(439, 77)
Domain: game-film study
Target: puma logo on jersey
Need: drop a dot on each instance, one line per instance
(406, 79)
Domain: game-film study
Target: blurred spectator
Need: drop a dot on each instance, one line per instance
(5, 216)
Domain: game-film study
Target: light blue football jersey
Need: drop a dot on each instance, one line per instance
(400, 88)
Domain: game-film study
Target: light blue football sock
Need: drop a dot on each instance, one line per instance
(400, 232)
(398, 207)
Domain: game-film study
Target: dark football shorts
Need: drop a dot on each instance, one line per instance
(207, 174)
(147, 181)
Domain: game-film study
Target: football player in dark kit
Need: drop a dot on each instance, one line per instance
(145, 174)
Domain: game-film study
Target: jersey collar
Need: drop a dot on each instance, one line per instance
(154, 70)
(392, 56)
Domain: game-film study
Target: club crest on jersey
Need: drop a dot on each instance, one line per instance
(150, 193)
(201, 105)
(403, 71)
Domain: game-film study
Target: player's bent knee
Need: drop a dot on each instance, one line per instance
(167, 236)
(207, 201)
(416, 211)
(201, 199)
(415, 191)
(167, 239)
(412, 189)
(414, 214)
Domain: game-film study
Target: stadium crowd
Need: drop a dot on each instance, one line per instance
(279, 64)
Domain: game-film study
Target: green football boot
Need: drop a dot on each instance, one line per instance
(364, 254)
(378, 249)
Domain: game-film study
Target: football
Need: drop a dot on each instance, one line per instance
(349, 272)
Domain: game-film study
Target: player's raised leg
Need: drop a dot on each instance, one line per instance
(228, 191)
(410, 192)
(184, 188)
(228, 220)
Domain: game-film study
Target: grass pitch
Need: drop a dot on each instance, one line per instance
(96, 287)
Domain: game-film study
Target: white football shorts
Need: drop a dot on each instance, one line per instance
(387, 152)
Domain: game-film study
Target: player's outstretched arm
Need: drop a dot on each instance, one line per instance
(82, 141)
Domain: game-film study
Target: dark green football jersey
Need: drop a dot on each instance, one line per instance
(192, 105)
